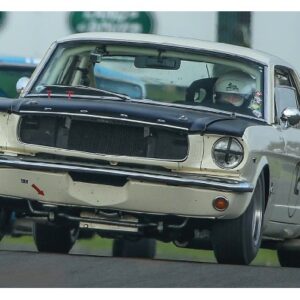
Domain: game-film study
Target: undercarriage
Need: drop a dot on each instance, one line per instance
(116, 224)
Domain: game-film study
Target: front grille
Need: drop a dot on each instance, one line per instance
(111, 138)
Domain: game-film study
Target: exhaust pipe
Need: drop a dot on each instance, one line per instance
(201, 240)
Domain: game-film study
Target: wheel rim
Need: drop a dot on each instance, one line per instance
(257, 214)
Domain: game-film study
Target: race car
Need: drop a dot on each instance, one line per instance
(207, 157)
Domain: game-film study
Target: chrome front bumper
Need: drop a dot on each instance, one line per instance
(194, 181)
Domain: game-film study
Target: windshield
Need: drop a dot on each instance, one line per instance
(162, 75)
(9, 75)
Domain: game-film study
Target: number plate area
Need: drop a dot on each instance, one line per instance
(93, 221)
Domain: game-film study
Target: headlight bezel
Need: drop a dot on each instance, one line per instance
(230, 141)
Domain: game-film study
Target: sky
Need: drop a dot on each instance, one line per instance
(148, 5)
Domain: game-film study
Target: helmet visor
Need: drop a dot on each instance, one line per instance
(230, 98)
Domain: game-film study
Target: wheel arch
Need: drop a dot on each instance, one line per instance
(266, 174)
(263, 169)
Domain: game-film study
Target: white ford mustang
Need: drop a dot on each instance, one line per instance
(142, 138)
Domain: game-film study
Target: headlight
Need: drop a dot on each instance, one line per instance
(227, 153)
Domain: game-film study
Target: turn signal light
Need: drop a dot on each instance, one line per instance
(220, 203)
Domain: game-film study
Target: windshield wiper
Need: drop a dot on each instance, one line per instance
(90, 90)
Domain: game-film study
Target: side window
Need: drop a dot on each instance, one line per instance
(285, 97)
(286, 94)
(282, 78)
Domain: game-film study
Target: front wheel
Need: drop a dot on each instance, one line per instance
(5, 217)
(143, 248)
(289, 257)
(54, 238)
(237, 241)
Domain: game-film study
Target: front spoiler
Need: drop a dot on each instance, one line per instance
(194, 181)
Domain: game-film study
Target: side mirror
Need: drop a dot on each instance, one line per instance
(291, 116)
(21, 84)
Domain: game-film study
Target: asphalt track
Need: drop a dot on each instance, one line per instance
(32, 269)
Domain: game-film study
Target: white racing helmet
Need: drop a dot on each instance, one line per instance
(234, 88)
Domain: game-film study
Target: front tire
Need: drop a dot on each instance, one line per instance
(289, 257)
(143, 248)
(54, 238)
(5, 216)
(237, 241)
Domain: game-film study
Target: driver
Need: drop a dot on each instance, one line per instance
(236, 91)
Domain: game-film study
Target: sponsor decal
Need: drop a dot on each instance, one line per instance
(38, 190)
(256, 104)
(24, 181)
(232, 87)
(112, 21)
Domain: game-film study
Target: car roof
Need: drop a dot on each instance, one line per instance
(248, 53)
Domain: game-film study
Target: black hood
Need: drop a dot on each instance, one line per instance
(196, 121)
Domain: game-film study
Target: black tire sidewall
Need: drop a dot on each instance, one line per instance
(233, 239)
(4, 221)
(143, 248)
(250, 246)
(53, 238)
(289, 258)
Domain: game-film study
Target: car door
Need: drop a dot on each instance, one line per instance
(287, 95)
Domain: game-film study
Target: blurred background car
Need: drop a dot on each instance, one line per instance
(11, 70)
